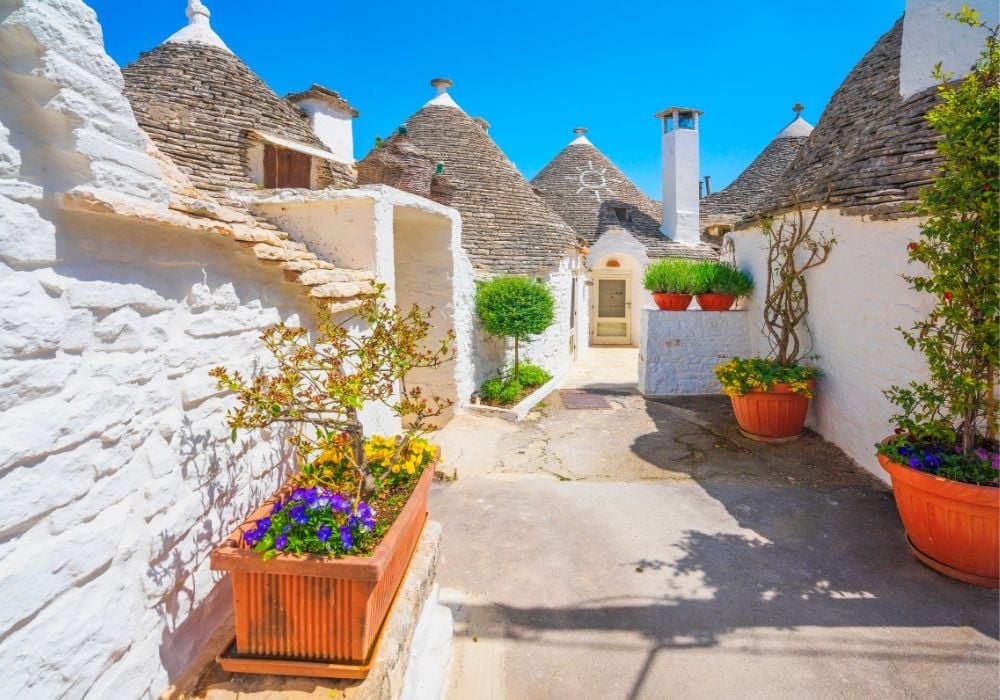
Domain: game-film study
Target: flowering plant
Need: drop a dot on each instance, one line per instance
(740, 376)
(981, 467)
(960, 268)
(312, 521)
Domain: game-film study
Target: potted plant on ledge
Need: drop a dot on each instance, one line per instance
(771, 395)
(672, 283)
(315, 568)
(943, 459)
(719, 285)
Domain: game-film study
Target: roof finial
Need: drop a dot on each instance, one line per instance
(797, 108)
(441, 84)
(580, 130)
(197, 13)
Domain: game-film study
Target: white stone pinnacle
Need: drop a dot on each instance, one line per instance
(199, 28)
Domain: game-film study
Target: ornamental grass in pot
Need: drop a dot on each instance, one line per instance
(943, 458)
(316, 567)
(672, 283)
(718, 285)
(770, 395)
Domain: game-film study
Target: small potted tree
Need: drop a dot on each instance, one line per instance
(315, 568)
(719, 285)
(943, 459)
(770, 395)
(672, 283)
(518, 308)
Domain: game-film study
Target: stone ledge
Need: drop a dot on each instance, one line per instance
(400, 647)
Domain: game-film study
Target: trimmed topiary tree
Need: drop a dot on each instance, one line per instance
(515, 307)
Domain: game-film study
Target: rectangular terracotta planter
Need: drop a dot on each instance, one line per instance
(322, 612)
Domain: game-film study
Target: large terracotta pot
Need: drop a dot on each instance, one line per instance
(311, 615)
(716, 302)
(778, 415)
(672, 302)
(952, 527)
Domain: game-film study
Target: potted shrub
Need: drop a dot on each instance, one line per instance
(771, 395)
(316, 567)
(671, 282)
(719, 285)
(943, 458)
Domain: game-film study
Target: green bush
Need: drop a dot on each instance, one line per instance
(532, 375)
(498, 391)
(671, 277)
(515, 307)
(713, 277)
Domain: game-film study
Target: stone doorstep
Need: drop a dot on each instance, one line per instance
(401, 647)
(518, 412)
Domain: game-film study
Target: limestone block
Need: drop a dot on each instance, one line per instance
(121, 331)
(78, 331)
(116, 483)
(221, 323)
(31, 322)
(108, 296)
(120, 370)
(199, 298)
(25, 237)
(313, 277)
(265, 251)
(340, 290)
(53, 424)
(198, 386)
(22, 381)
(32, 578)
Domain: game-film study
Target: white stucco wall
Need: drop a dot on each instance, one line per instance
(930, 38)
(333, 127)
(857, 299)
(679, 350)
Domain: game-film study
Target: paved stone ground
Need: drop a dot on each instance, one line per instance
(649, 551)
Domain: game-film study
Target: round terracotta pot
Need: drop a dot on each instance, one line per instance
(778, 415)
(952, 527)
(716, 302)
(672, 302)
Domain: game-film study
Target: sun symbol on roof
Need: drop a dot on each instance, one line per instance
(594, 180)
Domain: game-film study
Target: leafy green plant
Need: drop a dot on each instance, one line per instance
(670, 276)
(515, 307)
(532, 376)
(319, 384)
(500, 391)
(960, 267)
(740, 376)
(712, 277)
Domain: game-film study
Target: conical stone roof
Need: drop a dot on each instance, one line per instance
(198, 102)
(755, 185)
(589, 192)
(506, 227)
(873, 149)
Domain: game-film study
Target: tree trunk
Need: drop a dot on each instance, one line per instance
(517, 360)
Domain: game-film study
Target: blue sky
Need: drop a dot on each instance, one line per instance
(537, 69)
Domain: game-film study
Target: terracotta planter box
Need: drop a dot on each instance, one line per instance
(312, 615)
(952, 527)
(672, 302)
(716, 302)
(778, 415)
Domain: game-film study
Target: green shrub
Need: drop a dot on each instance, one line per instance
(498, 391)
(713, 277)
(491, 389)
(670, 277)
(515, 307)
(533, 375)
(511, 392)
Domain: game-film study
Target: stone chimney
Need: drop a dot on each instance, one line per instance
(930, 38)
(483, 124)
(680, 174)
(331, 119)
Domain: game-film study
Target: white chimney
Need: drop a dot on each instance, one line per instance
(680, 174)
(331, 119)
(930, 38)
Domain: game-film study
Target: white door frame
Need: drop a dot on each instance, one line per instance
(595, 307)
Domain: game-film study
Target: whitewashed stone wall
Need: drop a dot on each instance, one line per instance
(680, 349)
(857, 300)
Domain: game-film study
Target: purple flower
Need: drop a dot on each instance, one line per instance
(905, 451)
(996, 460)
(346, 538)
(323, 533)
(320, 502)
(340, 503)
(932, 460)
(263, 524)
(915, 463)
(276, 508)
(366, 516)
(298, 515)
(280, 543)
(299, 495)
(982, 454)
(251, 537)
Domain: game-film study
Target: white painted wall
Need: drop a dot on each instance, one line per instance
(679, 350)
(857, 299)
(680, 183)
(930, 38)
(334, 127)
